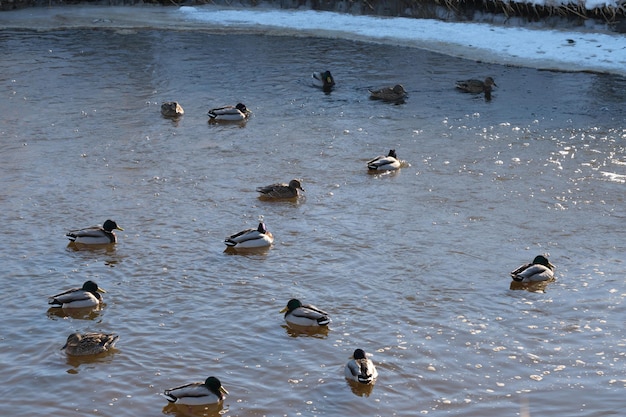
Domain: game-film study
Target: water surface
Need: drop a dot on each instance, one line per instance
(412, 266)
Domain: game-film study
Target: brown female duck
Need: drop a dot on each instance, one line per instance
(281, 191)
(395, 93)
(477, 86)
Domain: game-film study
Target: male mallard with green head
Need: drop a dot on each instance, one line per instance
(324, 80)
(540, 269)
(251, 238)
(360, 368)
(307, 315)
(210, 391)
(86, 296)
(95, 235)
(384, 163)
(236, 113)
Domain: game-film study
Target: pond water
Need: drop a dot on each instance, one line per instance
(412, 266)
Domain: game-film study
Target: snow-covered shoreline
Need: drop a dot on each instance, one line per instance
(562, 50)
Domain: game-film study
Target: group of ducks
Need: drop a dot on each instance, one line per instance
(359, 368)
(325, 81)
(397, 93)
(261, 237)
(236, 113)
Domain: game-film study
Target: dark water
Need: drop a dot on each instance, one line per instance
(412, 266)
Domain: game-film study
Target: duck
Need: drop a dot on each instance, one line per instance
(384, 163)
(84, 344)
(251, 238)
(306, 315)
(281, 190)
(172, 109)
(210, 391)
(236, 113)
(95, 235)
(324, 80)
(477, 86)
(539, 270)
(395, 93)
(360, 368)
(86, 296)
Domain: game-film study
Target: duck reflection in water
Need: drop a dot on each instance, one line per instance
(183, 410)
(360, 390)
(538, 287)
(294, 330)
(87, 313)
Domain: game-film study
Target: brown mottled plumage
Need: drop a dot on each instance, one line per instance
(477, 86)
(89, 343)
(395, 93)
(280, 190)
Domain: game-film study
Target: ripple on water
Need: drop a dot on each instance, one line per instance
(413, 267)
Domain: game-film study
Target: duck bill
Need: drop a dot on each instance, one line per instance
(223, 391)
(284, 309)
(101, 290)
(119, 228)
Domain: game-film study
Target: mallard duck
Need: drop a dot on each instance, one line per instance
(89, 343)
(87, 296)
(172, 109)
(477, 86)
(279, 191)
(360, 368)
(210, 391)
(95, 235)
(384, 163)
(251, 238)
(304, 314)
(539, 270)
(395, 93)
(324, 80)
(235, 113)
